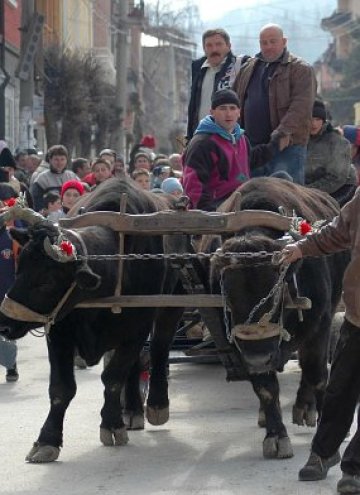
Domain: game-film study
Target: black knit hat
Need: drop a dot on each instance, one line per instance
(6, 158)
(319, 110)
(224, 97)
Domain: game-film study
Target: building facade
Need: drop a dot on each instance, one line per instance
(10, 57)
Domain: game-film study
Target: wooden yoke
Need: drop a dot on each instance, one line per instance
(170, 222)
(193, 222)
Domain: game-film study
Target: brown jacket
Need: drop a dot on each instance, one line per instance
(292, 90)
(342, 233)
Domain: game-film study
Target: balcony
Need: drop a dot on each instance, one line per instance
(336, 20)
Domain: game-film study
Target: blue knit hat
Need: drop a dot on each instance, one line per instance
(170, 185)
(352, 134)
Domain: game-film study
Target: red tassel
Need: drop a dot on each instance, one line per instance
(67, 247)
(10, 202)
(304, 227)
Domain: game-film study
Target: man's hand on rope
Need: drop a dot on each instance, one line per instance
(290, 254)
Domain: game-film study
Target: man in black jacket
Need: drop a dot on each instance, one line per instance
(216, 70)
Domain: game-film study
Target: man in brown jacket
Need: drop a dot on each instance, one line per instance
(343, 390)
(277, 91)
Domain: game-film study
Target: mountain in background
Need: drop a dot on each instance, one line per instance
(299, 20)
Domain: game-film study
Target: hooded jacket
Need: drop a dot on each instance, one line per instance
(216, 163)
(328, 161)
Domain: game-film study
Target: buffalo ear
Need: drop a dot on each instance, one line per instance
(86, 279)
(19, 235)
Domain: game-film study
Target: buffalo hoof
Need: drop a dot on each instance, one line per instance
(42, 453)
(306, 416)
(277, 448)
(298, 416)
(116, 437)
(311, 418)
(285, 450)
(157, 416)
(134, 421)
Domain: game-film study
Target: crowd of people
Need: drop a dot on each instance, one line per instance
(248, 116)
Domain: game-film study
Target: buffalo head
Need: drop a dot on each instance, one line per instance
(47, 269)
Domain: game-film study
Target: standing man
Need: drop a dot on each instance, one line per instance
(277, 91)
(216, 70)
(54, 178)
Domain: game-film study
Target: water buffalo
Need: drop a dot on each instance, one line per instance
(52, 279)
(246, 283)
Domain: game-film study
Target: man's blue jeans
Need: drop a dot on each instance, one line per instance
(291, 160)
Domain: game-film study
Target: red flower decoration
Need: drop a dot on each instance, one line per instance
(10, 202)
(304, 227)
(67, 248)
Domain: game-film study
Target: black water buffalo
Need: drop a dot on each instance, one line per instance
(246, 283)
(52, 279)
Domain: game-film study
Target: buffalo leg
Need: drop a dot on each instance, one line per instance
(314, 374)
(276, 443)
(133, 414)
(62, 389)
(157, 410)
(112, 428)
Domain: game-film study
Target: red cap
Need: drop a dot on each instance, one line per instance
(148, 141)
(72, 184)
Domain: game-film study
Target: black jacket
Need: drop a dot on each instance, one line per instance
(222, 80)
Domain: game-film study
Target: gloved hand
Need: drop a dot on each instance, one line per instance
(281, 139)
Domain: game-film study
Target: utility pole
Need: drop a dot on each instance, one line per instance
(4, 76)
(122, 52)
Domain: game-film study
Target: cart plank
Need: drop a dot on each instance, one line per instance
(158, 300)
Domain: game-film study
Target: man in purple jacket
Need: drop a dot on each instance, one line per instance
(218, 158)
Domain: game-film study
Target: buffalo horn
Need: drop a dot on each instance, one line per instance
(18, 212)
(263, 218)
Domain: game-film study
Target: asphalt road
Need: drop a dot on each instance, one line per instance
(211, 445)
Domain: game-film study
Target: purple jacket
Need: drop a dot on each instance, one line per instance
(216, 163)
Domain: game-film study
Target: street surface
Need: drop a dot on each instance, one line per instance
(210, 446)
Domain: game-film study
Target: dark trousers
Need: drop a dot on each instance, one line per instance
(341, 398)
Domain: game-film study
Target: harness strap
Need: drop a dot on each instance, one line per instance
(17, 311)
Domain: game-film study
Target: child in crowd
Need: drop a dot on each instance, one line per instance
(52, 204)
(142, 160)
(102, 170)
(142, 177)
(173, 186)
(160, 173)
(71, 191)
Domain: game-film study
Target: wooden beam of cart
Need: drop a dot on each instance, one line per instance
(157, 301)
(180, 222)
